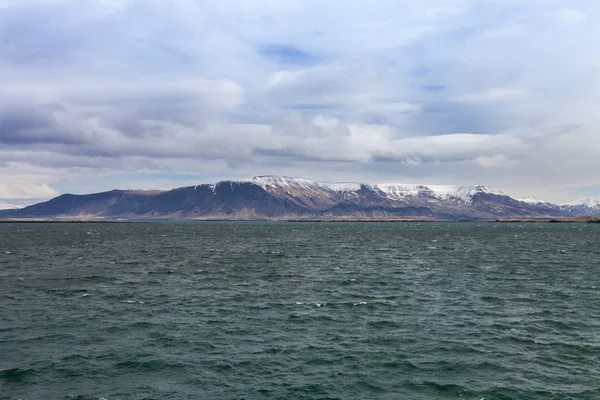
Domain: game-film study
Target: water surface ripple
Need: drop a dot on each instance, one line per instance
(299, 311)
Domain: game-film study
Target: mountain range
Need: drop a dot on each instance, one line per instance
(279, 197)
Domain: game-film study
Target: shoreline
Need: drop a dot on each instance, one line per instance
(586, 220)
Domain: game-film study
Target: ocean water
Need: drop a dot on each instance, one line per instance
(236, 310)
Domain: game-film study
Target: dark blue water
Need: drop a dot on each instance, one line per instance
(299, 311)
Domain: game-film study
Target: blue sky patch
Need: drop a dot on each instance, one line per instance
(286, 54)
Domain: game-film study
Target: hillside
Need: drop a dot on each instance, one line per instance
(278, 197)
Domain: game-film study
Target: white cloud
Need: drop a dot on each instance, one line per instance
(493, 95)
(569, 15)
(495, 161)
(390, 108)
(412, 161)
(25, 188)
(397, 90)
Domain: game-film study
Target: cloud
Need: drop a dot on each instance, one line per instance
(24, 186)
(495, 161)
(450, 91)
(390, 108)
(494, 95)
(569, 15)
(26, 190)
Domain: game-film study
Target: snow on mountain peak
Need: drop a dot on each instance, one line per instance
(590, 203)
(392, 191)
(531, 200)
(282, 181)
(444, 192)
(300, 183)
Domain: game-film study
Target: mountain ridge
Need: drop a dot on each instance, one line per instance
(273, 197)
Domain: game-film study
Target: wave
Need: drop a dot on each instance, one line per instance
(15, 374)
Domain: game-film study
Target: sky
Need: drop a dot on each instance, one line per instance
(155, 94)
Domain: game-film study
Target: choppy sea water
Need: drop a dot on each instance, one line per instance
(299, 311)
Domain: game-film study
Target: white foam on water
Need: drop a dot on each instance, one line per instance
(385, 302)
(520, 331)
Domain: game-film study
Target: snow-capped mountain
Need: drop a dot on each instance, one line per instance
(393, 191)
(280, 197)
(590, 203)
(582, 207)
(533, 201)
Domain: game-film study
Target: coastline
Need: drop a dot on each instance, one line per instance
(586, 220)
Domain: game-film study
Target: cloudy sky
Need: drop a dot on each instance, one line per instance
(103, 94)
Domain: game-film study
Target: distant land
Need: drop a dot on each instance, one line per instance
(285, 198)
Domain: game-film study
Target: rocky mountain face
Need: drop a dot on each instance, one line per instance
(277, 197)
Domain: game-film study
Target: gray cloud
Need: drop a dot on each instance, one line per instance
(449, 91)
(23, 124)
